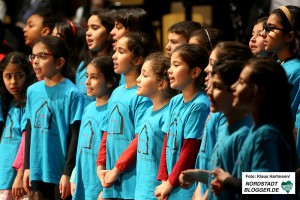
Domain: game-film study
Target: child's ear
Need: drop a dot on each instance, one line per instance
(138, 61)
(60, 63)
(196, 72)
(162, 85)
(290, 36)
(46, 31)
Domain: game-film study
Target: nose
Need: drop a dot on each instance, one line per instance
(168, 47)
(253, 38)
(13, 80)
(138, 80)
(112, 32)
(114, 56)
(233, 86)
(88, 32)
(87, 82)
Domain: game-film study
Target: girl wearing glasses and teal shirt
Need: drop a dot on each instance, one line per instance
(281, 35)
(53, 119)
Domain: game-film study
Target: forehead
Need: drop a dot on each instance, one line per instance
(274, 19)
(39, 47)
(36, 19)
(11, 68)
(94, 19)
(175, 36)
(91, 68)
(147, 66)
(246, 72)
(213, 54)
(122, 42)
(176, 57)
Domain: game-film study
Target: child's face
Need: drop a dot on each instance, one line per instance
(95, 82)
(174, 40)
(147, 83)
(275, 40)
(44, 63)
(243, 90)
(33, 29)
(14, 78)
(219, 95)
(256, 42)
(208, 68)
(179, 73)
(117, 32)
(122, 57)
(96, 34)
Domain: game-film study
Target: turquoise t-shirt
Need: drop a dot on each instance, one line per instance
(51, 111)
(9, 145)
(93, 124)
(261, 151)
(292, 69)
(185, 121)
(214, 124)
(80, 79)
(125, 112)
(227, 148)
(150, 143)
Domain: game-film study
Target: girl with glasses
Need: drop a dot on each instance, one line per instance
(53, 112)
(281, 36)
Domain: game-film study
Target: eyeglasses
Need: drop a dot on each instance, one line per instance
(42, 56)
(269, 28)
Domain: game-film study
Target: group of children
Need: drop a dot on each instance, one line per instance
(105, 115)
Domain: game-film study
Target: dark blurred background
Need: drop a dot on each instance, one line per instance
(233, 17)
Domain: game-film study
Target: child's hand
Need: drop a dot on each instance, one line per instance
(73, 188)
(216, 187)
(187, 177)
(17, 187)
(220, 174)
(217, 183)
(26, 181)
(162, 191)
(101, 175)
(64, 186)
(111, 176)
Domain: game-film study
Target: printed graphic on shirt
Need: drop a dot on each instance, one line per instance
(172, 135)
(89, 135)
(8, 129)
(43, 117)
(143, 141)
(116, 123)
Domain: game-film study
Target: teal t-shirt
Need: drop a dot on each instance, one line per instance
(214, 124)
(150, 142)
(9, 145)
(93, 124)
(227, 148)
(292, 69)
(51, 111)
(125, 113)
(185, 121)
(262, 151)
